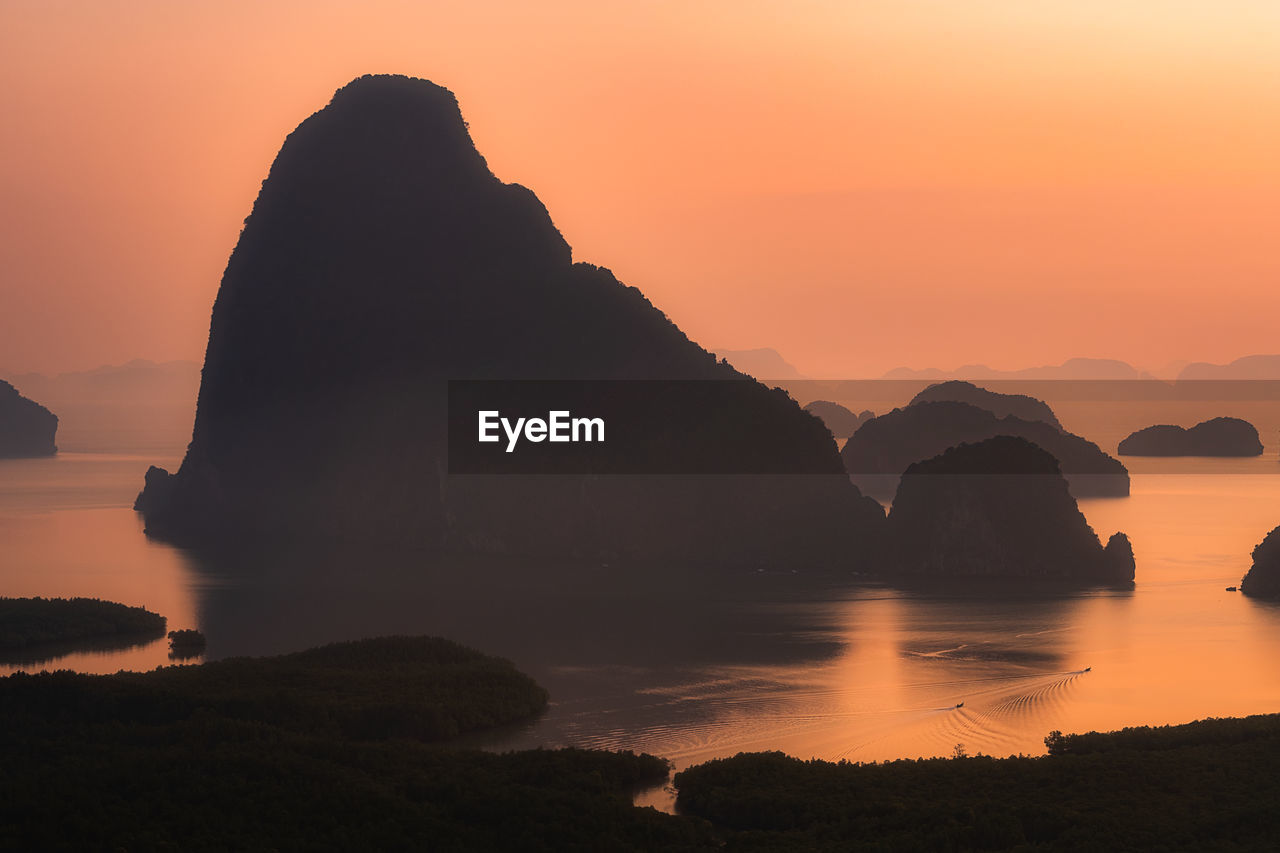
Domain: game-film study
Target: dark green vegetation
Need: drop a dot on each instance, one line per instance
(26, 622)
(188, 637)
(1263, 578)
(26, 427)
(328, 750)
(1216, 437)
(1209, 785)
(186, 643)
(424, 688)
(997, 508)
(320, 750)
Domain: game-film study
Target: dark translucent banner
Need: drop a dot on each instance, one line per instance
(614, 427)
(743, 427)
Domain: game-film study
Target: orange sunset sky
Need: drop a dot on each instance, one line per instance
(860, 185)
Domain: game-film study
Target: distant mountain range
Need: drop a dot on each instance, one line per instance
(1072, 368)
(763, 363)
(136, 381)
(138, 407)
(1249, 367)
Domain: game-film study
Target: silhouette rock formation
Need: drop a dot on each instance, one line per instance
(382, 258)
(1071, 369)
(1256, 367)
(1216, 437)
(26, 427)
(886, 445)
(1019, 405)
(1263, 578)
(842, 422)
(998, 508)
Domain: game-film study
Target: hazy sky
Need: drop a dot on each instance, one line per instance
(858, 184)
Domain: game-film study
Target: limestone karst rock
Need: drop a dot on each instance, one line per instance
(997, 508)
(1216, 437)
(1019, 405)
(884, 446)
(26, 427)
(382, 259)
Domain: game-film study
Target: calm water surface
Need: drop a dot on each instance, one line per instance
(777, 661)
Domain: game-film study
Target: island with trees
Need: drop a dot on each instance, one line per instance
(29, 623)
(883, 447)
(1216, 437)
(186, 643)
(1022, 406)
(352, 746)
(27, 429)
(342, 747)
(1208, 785)
(1263, 578)
(999, 508)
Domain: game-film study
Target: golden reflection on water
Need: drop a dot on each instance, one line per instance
(854, 671)
(67, 530)
(919, 674)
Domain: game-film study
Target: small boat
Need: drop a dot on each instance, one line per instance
(959, 704)
(1231, 589)
(1087, 669)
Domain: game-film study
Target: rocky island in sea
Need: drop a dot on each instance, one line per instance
(884, 446)
(1216, 437)
(1022, 406)
(26, 428)
(382, 259)
(1263, 577)
(997, 508)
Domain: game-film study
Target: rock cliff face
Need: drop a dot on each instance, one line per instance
(998, 508)
(1019, 405)
(1216, 437)
(888, 444)
(26, 427)
(383, 258)
(1263, 577)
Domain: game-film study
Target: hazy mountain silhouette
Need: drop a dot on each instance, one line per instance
(886, 445)
(26, 427)
(1072, 368)
(1263, 578)
(1249, 367)
(1216, 437)
(998, 508)
(137, 381)
(138, 407)
(841, 421)
(1019, 405)
(382, 258)
(763, 363)
(1171, 370)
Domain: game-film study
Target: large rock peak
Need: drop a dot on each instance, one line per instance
(383, 258)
